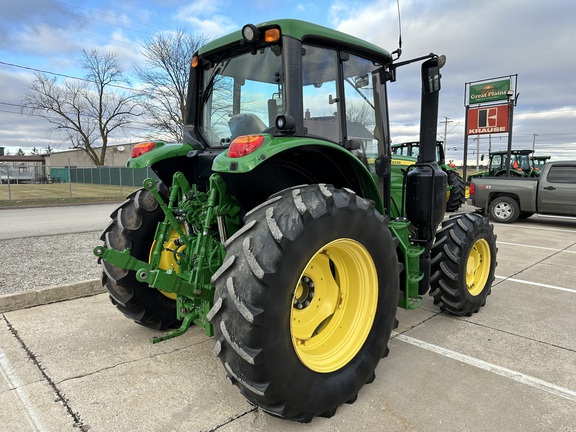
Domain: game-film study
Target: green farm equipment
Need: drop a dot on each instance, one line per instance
(520, 164)
(537, 163)
(279, 227)
(455, 193)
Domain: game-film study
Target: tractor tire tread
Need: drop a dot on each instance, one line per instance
(450, 252)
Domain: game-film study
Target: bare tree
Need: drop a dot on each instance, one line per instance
(86, 112)
(165, 79)
(360, 112)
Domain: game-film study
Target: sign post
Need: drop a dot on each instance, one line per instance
(490, 114)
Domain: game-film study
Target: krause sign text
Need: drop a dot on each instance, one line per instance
(489, 91)
(488, 120)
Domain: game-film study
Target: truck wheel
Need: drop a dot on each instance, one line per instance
(504, 209)
(306, 300)
(134, 225)
(457, 191)
(463, 264)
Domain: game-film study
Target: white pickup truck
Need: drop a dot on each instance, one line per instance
(506, 199)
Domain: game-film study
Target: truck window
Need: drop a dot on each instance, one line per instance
(562, 174)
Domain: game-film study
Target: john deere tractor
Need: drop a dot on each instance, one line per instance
(537, 163)
(272, 229)
(520, 164)
(455, 193)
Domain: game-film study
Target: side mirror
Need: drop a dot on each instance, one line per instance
(431, 74)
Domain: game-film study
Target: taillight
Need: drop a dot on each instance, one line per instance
(141, 148)
(244, 145)
(472, 189)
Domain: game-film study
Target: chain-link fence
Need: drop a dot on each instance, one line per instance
(26, 182)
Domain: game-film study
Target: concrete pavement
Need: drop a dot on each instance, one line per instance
(80, 365)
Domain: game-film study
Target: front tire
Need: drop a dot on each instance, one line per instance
(457, 191)
(463, 264)
(305, 301)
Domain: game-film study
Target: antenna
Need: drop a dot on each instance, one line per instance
(399, 50)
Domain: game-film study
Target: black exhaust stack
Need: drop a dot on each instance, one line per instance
(425, 181)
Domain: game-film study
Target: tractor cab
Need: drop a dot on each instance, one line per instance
(412, 149)
(538, 163)
(520, 164)
(279, 82)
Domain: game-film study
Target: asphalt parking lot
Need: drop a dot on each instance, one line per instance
(80, 365)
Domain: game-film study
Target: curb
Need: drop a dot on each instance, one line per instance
(43, 296)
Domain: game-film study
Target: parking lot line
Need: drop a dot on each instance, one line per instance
(536, 283)
(15, 383)
(490, 367)
(535, 247)
(540, 228)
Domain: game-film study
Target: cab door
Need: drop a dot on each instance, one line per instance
(557, 190)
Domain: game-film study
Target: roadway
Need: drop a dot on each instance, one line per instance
(80, 365)
(42, 221)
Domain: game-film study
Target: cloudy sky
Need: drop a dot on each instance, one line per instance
(533, 40)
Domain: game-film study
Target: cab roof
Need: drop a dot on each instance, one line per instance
(514, 152)
(306, 32)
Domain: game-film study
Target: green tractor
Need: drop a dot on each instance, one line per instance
(455, 193)
(520, 164)
(537, 164)
(274, 230)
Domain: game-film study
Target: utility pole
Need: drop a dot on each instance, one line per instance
(446, 121)
(534, 144)
(477, 152)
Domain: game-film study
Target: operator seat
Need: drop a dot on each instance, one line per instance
(245, 124)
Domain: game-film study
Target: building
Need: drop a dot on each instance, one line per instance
(22, 169)
(50, 167)
(116, 156)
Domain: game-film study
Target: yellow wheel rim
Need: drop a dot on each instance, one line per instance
(333, 305)
(167, 259)
(478, 267)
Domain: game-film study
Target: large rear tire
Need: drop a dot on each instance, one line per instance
(463, 264)
(306, 300)
(133, 226)
(457, 195)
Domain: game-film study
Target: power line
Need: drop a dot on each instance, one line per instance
(61, 75)
(43, 71)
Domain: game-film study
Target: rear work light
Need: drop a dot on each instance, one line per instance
(272, 35)
(141, 148)
(244, 145)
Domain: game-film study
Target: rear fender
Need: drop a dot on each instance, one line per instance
(283, 162)
(159, 152)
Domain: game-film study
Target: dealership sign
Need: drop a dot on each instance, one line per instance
(488, 120)
(489, 91)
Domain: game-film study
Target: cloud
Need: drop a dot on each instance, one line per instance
(205, 17)
(214, 26)
(481, 40)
